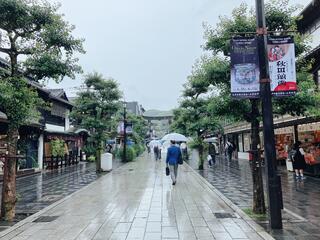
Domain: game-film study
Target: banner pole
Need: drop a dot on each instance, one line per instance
(273, 180)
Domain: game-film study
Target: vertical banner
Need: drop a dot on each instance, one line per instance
(244, 68)
(129, 128)
(282, 65)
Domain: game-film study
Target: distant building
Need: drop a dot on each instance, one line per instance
(135, 108)
(159, 122)
(309, 24)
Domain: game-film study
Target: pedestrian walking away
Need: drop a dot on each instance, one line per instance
(298, 160)
(212, 153)
(173, 159)
(156, 152)
(148, 147)
(184, 150)
(209, 159)
(229, 149)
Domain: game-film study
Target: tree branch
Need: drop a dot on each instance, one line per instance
(25, 52)
(5, 50)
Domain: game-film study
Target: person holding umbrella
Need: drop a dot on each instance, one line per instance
(173, 159)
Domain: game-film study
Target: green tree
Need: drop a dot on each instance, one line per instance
(192, 118)
(279, 16)
(95, 108)
(34, 30)
(140, 129)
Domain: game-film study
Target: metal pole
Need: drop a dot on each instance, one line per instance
(124, 135)
(273, 180)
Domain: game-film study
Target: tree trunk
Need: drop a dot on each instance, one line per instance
(258, 193)
(201, 161)
(98, 158)
(200, 149)
(14, 65)
(9, 199)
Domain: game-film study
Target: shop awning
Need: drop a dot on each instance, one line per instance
(280, 122)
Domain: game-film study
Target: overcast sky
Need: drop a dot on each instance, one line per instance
(148, 46)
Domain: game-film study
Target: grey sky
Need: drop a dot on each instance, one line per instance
(148, 46)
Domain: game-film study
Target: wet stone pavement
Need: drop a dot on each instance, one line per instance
(138, 201)
(38, 191)
(301, 198)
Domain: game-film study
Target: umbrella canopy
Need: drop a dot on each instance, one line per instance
(211, 140)
(154, 143)
(175, 137)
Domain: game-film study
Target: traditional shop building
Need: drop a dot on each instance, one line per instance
(34, 145)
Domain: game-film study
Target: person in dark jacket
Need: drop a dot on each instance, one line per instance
(212, 153)
(173, 158)
(299, 163)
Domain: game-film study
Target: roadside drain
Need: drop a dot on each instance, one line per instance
(224, 215)
(45, 219)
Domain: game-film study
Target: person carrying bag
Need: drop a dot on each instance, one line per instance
(173, 160)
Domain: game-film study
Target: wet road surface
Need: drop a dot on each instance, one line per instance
(301, 198)
(38, 191)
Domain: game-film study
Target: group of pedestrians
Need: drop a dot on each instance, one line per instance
(229, 148)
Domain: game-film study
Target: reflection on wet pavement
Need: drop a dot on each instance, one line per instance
(301, 198)
(38, 191)
(138, 201)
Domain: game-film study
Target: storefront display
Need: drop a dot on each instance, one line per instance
(310, 139)
(284, 139)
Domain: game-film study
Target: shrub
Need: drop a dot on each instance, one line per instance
(139, 148)
(91, 158)
(89, 149)
(130, 154)
(57, 147)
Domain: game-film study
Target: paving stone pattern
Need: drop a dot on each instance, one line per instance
(137, 201)
(234, 180)
(38, 191)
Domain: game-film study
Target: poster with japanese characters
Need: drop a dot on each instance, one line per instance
(129, 128)
(244, 68)
(282, 65)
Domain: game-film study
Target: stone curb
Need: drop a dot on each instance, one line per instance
(36, 215)
(256, 227)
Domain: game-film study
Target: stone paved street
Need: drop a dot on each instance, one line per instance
(301, 198)
(137, 201)
(38, 191)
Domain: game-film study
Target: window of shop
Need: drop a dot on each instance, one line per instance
(309, 135)
(240, 143)
(246, 142)
(284, 139)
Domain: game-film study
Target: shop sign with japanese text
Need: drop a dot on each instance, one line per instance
(244, 68)
(282, 67)
(129, 128)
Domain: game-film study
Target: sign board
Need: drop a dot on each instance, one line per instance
(282, 66)
(244, 68)
(129, 128)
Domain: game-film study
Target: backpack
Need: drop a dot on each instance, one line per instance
(230, 148)
(292, 154)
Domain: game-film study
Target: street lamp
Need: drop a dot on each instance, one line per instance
(124, 157)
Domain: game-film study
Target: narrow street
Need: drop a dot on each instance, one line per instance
(137, 201)
(301, 198)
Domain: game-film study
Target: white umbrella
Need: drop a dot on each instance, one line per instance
(154, 143)
(175, 137)
(210, 140)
